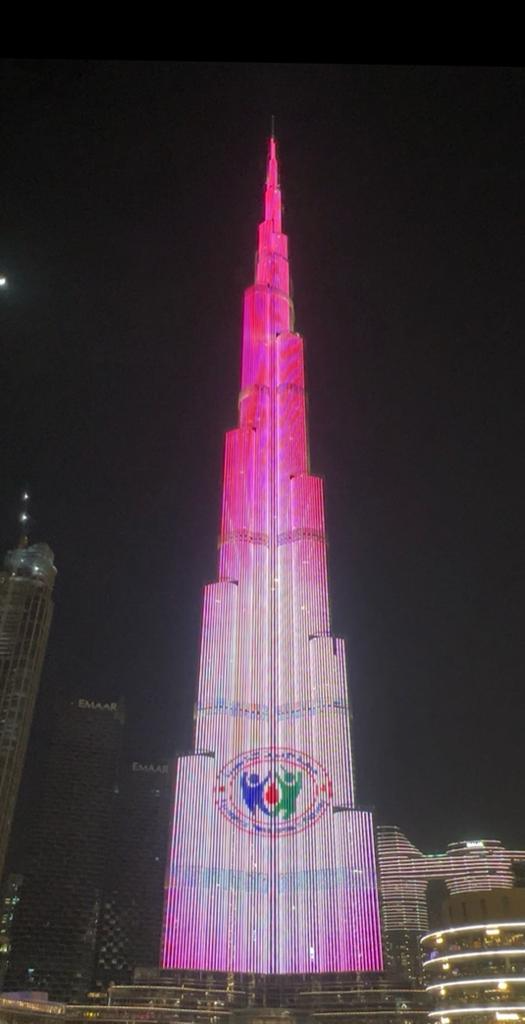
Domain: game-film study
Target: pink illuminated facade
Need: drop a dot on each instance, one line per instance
(271, 867)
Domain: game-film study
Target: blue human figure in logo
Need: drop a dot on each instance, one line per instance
(253, 791)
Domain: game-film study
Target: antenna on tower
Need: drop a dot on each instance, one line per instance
(24, 519)
(272, 130)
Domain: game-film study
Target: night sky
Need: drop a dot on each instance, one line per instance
(130, 195)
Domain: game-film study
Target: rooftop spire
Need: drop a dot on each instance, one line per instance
(272, 252)
(272, 199)
(272, 175)
(24, 519)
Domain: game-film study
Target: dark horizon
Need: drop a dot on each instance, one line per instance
(131, 197)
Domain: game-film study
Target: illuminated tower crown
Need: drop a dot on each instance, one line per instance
(271, 867)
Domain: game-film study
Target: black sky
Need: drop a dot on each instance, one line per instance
(130, 195)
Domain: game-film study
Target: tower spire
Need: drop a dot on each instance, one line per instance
(24, 520)
(272, 174)
(272, 198)
(272, 250)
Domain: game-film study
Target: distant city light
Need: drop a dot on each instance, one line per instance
(503, 983)
(3, 282)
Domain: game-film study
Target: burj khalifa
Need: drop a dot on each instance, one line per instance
(272, 863)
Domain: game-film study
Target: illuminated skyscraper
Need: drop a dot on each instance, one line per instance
(405, 874)
(272, 866)
(26, 607)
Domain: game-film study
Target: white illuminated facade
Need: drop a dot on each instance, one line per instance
(405, 872)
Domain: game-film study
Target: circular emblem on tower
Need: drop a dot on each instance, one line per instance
(273, 791)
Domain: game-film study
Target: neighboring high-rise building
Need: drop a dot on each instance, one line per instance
(475, 970)
(9, 899)
(405, 874)
(26, 608)
(64, 858)
(272, 864)
(403, 886)
(82, 904)
(130, 924)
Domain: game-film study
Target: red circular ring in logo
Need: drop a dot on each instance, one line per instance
(273, 791)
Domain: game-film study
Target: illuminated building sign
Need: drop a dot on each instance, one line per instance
(96, 705)
(150, 769)
(271, 866)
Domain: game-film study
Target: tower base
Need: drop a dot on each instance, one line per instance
(220, 998)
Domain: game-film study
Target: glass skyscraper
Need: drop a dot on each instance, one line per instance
(26, 607)
(63, 859)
